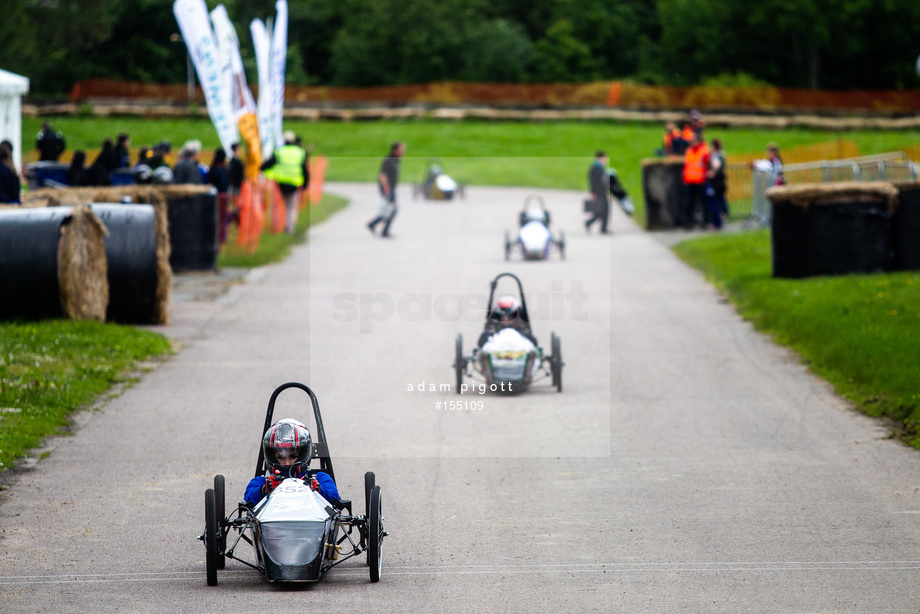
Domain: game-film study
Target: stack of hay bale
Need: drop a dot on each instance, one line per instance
(849, 227)
(102, 253)
(663, 186)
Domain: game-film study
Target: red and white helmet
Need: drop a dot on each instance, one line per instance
(507, 309)
(285, 439)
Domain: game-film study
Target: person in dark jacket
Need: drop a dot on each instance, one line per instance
(287, 448)
(387, 179)
(599, 184)
(122, 151)
(186, 169)
(76, 174)
(9, 180)
(101, 169)
(235, 170)
(50, 144)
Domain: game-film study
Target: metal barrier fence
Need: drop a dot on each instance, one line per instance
(893, 166)
(739, 169)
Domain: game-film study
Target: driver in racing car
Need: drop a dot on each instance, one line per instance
(288, 448)
(507, 314)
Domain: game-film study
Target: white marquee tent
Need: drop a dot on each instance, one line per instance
(12, 88)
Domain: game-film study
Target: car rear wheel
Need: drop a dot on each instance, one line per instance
(220, 510)
(210, 536)
(374, 534)
(556, 364)
(507, 246)
(562, 245)
(459, 362)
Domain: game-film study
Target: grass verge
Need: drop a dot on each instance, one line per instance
(49, 369)
(859, 332)
(533, 154)
(274, 247)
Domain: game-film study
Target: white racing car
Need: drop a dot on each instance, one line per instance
(296, 534)
(507, 357)
(534, 238)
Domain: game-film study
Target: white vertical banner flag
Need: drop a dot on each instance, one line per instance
(192, 17)
(279, 58)
(227, 45)
(261, 44)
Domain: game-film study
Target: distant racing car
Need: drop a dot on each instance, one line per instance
(534, 239)
(507, 357)
(437, 185)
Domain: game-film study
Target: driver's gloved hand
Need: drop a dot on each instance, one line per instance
(272, 482)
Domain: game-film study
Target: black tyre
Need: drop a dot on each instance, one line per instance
(210, 536)
(507, 246)
(220, 510)
(557, 362)
(562, 245)
(369, 481)
(374, 534)
(459, 361)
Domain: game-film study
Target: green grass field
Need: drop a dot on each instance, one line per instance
(854, 330)
(859, 332)
(547, 155)
(50, 368)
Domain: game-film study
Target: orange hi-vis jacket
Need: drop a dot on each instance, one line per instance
(696, 163)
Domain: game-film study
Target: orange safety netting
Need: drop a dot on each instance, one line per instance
(251, 216)
(318, 166)
(275, 201)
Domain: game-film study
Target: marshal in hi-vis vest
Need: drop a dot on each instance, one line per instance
(288, 165)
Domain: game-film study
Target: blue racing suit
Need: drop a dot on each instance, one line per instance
(327, 488)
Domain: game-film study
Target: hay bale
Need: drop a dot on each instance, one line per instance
(131, 253)
(161, 197)
(905, 227)
(29, 240)
(82, 268)
(831, 229)
(663, 189)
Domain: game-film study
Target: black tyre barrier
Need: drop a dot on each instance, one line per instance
(663, 188)
(193, 232)
(831, 230)
(29, 240)
(131, 253)
(905, 227)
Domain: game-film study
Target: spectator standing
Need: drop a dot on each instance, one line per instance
(160, 155)
(288, 167)
(599, 184)
(143, 157)
(696, 165)
(387, 179)
(76, 174)
(717, 178)
(102, 167)
(10, 185)
(218, 177)
(186, 169)
(50, 144)
(235, 170)
(673, 141)
(777, 176)
(122, 151)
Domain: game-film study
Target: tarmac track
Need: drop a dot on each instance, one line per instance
(688, 465)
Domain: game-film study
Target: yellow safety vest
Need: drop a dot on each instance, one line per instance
(288, 167)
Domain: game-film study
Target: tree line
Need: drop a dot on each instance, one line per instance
(828, 44)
